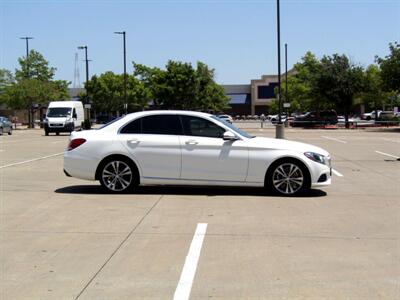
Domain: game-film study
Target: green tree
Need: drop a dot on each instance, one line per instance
(107, 93)
(180, 86)
(35, 66)
(373, 94)
(302, 85)
(339, 81)
(34, 84)
(152, 80)
(28, 92)
(390, 68)
(209, 94)
(6, 79)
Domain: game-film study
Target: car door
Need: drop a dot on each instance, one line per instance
(153, 143)
(206, 156)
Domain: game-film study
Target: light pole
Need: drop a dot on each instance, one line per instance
(27, 75)
(87, 115)
(125, 78)
(27, 38)
(286, 88)
(87, 62)
(286, 85)
(279, 134)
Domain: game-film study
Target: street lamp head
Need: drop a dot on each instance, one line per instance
(26, 38)
(119, 32)
(82, 47)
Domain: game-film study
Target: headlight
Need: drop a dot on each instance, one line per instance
(319, 158)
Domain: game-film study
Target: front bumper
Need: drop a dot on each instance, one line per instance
(321, 175)
(59, 127)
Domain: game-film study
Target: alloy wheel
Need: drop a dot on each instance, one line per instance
(288, 178)
(117, 176)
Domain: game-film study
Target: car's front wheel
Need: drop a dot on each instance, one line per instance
(117, 176)
(288, 178)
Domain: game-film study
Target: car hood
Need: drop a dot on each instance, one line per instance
(281, 144)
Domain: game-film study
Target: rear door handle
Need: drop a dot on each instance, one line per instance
(133, 141)
(191, 142)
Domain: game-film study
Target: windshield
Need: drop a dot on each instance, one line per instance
(56, 112)
(233, 128)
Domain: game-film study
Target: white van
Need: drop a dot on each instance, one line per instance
(63, 116)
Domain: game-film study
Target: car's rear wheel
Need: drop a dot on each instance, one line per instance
(288, 178)
(10, 131)
(117, 176)
(1, 131)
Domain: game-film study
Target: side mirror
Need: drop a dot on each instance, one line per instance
(229, 136)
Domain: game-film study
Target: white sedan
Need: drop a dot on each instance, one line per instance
(191, 148)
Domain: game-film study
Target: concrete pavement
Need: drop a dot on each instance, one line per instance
(61, 238)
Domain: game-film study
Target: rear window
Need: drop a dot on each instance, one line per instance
(109, 123)
(161, 124)
(157, 124)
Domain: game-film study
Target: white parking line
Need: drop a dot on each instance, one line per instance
(333, 139)
(391, 140)
(17, 141)
(387, 154)
(337, 173)
(184, 287)
(30, 160)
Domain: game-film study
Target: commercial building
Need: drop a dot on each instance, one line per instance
(253, 98)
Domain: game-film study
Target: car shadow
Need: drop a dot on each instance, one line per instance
(188, 190)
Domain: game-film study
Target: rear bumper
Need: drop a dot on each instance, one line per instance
(79, 166)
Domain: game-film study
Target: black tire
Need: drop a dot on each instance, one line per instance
(46, 133)
(117, 175)
(10, 132)
(57, 133)
(288, 177)
(1, 130)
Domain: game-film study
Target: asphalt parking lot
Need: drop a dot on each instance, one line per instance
(61, 238)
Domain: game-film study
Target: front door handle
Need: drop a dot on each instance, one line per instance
(191, 142)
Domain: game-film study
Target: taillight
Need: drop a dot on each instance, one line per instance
(75, 143)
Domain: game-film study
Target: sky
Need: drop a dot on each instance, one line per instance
(235, 37)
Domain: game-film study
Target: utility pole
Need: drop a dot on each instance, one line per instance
(279, 134)
(125, 77)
